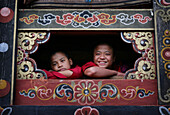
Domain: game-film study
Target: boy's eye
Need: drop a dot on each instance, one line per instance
(62, 60)
(97, 53)
(54, 64)
(107, 54)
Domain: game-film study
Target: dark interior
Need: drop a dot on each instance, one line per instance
(79, 45)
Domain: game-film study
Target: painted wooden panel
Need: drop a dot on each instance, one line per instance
(162, 38)
(79, 19)
(86, 92)
(7, 50)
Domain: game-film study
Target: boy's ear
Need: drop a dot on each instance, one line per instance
(71, 61)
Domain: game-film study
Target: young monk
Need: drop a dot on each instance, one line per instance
(103, 57)
(61, 65)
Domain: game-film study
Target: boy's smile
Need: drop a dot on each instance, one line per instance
(103, 56)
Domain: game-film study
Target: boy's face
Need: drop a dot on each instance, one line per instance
(103, 56)
(59, 62)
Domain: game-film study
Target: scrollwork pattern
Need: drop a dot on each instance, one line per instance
(140, 40)
(27, 70)
(28, 41)
(164, 15)
(143, 70)
(64, 90)
(142, 43)
(27, 44)
(108, 90)
(167, 95)
(21, 55)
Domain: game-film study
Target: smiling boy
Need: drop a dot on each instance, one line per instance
(103, 59)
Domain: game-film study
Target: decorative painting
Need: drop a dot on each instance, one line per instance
(86, 19)
(86, 92)
(27, 44)
(162, 38)
(142, 42)
(8, 29)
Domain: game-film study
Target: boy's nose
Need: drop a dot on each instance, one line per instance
(59, 65)
(102, 56)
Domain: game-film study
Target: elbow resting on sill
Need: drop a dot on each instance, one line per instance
(90, 72)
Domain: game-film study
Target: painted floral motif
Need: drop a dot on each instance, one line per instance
(86, 92)
(86, 111)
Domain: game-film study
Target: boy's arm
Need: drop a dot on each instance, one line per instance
(66, 73)
(54, 74)
(73, 73)
(98, 72)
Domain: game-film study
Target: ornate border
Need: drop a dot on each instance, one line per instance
(142, 42)
(162, 16)
(86, 92)
(28, 43)
(79, 19)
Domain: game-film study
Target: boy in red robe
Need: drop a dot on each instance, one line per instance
(101, 67)
(61, 65)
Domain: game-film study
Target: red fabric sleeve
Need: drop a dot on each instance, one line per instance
(54, 74)
(77, 73)
(87, 65)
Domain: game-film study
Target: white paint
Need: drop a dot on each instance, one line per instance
(3, 47)
(5, 11)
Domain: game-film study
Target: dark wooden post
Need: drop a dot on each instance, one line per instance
(7, 50)
(162, 46)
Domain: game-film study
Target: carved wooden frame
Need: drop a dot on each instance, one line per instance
(146, 61)
(161, 17)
